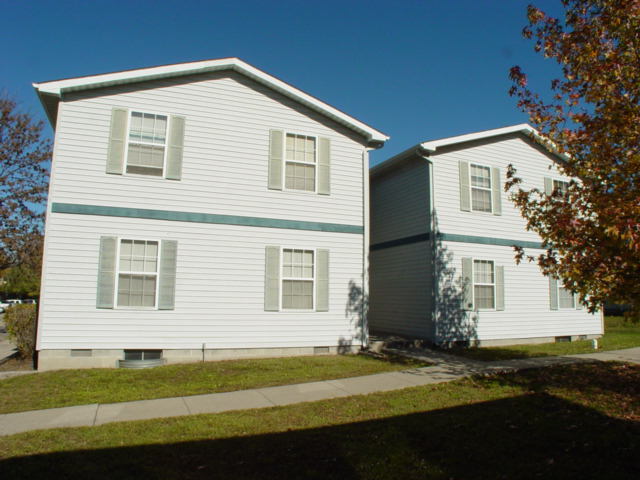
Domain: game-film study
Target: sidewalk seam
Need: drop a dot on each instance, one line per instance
(95, 415)
(186, 405)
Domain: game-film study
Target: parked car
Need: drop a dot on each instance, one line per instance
(29, 301)
(7, 303)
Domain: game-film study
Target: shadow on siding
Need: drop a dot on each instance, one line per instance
(453, 323)
(356, 311)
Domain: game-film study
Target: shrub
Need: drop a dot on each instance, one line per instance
(21, 327)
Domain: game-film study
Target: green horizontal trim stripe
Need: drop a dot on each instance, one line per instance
(503, 242)
(126, 212)
(423, 237)
(453, 237)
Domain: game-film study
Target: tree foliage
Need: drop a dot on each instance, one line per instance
(24, 157)
(592, 119)
(23, 280)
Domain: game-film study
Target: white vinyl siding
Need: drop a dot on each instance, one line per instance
(484, 284)
(298, 279)
(300, 163)
(225, 152)
(480, 188)
(146, 144)
(532, 165)
(526, 292)
(220, 299)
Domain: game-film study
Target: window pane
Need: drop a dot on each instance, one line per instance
(300, 177)
(307, 257)
(484, 296)
(480, 176)
(135, 131)
(560, 186)
(297, 294)
(482, 271)
(481, 200)
(565, 298)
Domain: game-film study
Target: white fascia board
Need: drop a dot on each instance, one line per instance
(59, 87)
(433, 145)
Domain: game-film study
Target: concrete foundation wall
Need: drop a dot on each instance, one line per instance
(69, 359)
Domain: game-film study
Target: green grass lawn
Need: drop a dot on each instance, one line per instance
(618, 335)
(567, 422)
(77, 387)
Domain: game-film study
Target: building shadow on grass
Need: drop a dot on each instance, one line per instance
(525, 437)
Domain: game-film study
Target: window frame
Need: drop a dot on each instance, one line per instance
(560, 286)
(490, 189)
(313, 280)
(127, 142)
(473, 283)
(285, 160)
(117, 273)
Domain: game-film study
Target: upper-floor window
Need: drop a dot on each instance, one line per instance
(560, 186)
(298, 278)
(300, 163)
(480, 188)
(147, 144)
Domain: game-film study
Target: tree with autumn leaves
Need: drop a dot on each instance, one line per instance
(24, 158)
(591, 232)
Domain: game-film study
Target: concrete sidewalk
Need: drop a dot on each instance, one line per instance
(446, 368)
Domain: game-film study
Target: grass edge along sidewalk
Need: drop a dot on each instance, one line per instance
(64, 388)
(568, 421)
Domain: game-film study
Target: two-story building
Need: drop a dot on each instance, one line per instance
(197, 211)
(442, 236)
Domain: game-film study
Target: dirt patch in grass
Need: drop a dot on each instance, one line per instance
(15, 364)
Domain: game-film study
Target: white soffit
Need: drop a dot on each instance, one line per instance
(57, 88)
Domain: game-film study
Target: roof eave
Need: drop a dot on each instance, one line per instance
(57, 88)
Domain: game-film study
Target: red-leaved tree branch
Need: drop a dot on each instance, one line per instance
(592, 119)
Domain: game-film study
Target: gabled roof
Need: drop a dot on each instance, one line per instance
(51, 92)
(430, 147)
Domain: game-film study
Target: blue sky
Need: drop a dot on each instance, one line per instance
(416, 70)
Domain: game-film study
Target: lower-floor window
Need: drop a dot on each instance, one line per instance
(484, 284)
(137, 273)
(298, 277)
(566, 299)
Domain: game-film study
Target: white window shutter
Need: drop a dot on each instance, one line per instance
(496, 191)
(322, 280)
(324, 166)
(167, 275)
(553, 293)
(548, 185)
(276, 157)
(465, 189)
(175, 144)
(117, 140)
(499, 288)
(106, 272)
(272, 279)
(467, 283)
